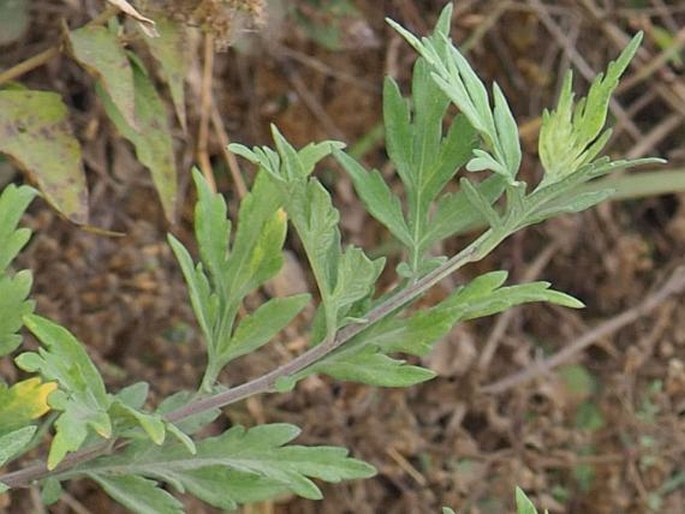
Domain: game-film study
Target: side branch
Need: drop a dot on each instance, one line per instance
(266, 383)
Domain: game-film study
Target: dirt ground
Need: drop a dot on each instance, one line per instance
(583, 409)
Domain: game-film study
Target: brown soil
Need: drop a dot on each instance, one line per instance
(602, 433)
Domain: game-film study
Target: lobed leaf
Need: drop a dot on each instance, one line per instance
(203, 301)
(81, 396)
(356, 278)
(454, 214)
(262, 452)
(425, 159)
(13, 203)
(256, 255)
(14, 305)
(485, 296)
(260, 327)
(212, 228)
(377, 198)
(571, 136)
(457, 79)
(369, 366)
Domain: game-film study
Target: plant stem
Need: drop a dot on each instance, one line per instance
(266, 383)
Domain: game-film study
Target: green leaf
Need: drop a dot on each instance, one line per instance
(13, 203)
(480, 203)
(455, 149)
(570, 136)
(261, 451)
(456, 78)
(226, 488)
(484, 296)
(425, 160)
(170, 50)
(190, 424)
(134, 395)
(51, 491)
(447, 510)
(377, 197)
(309, 207)
(316, 221)
(14, 304)
(568, 194)
(24, 402)
(139, 494)
(259, 328)
(364, 358)
(12, 443)
(523, 504)
(573, 203)
(14, 289)
(212, 228)
(398, 134)
(369, 366)
(205, 304)
(98, 50)
(415, 334)
(151, 138)
(256, 255)
(356, 278)
(81, 396)
(126, 416)
(454, 214)
(35, 133)
(342, 278)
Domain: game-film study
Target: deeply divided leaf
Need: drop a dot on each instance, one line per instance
(14, 305)
(377, 197)
(254, 464)
(81, 395)
(456, 78)
(13, 202)
(571, 135)
(260, 327)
